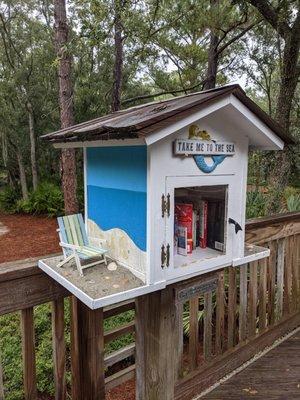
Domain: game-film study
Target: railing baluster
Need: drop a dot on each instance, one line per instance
(280, 278)
(194, 332)
(179, 324)
(59, 349)
(271, 282)
(231, 307)
(262, 302)
(252, 299)
(220, 328)
(243, 303)
(287, 292)
(28, 351)
(207, 337)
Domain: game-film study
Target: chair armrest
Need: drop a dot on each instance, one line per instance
(69, 246)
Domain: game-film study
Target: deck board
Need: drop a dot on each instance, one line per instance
(274, 376)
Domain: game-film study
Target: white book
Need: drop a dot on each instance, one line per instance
(182, 241)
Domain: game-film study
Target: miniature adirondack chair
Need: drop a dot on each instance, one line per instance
(75, 243)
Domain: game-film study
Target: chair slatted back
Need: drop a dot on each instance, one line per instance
(72, 230)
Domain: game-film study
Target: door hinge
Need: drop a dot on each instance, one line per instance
(165, 205)
(165, 255)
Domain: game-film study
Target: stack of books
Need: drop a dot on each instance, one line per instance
(199, 225)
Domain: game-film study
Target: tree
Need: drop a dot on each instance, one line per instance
(285, 20)
(68, 156)
(288, 28)
(118, 62)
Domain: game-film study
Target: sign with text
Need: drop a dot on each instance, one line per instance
(203, 147)
(196, 289)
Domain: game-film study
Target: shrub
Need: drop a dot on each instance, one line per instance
(255, 205)
(293, 202)
(8, 199)
(46, 199)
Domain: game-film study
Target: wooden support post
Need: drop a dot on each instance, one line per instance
(75, 360)
(87, 349)
(28, 353)
(59, 349)
(156, 335)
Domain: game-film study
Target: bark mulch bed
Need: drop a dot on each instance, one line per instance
(28, 236)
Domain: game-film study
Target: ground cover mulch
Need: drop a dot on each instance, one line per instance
(28, 236)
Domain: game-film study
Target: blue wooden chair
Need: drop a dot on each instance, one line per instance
(75, 243)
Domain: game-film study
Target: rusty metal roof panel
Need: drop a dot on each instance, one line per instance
(142, 120)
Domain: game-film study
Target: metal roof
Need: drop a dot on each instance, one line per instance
(139, 121)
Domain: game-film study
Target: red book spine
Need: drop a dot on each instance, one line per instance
(184, 213)
(203, 224)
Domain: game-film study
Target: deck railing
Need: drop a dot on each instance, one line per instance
(251, 306)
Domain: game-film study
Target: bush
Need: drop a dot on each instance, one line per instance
(293, 202)
(9, 198)
(46, 199)
(255, 205)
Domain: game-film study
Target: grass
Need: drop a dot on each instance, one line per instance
(11, 348)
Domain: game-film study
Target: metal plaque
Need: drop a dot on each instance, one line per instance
(197, 289)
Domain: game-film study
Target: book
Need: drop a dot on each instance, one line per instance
(184, 217)
(182, 243)
(195, 227)
(215, 226)
(203, 223)
(184, 214)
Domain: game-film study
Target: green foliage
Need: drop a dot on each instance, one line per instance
(8, 199)
(46, 199)
(293, 202)
(255, 205)
(11, 353)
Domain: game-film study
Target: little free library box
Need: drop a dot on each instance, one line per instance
(165, 191)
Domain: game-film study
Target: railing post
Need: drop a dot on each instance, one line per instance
(87, 353)
(156, 335)
(28, 351)
(59, 348)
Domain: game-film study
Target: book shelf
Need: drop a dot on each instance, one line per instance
(199, 224)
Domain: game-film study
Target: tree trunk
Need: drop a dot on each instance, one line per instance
(22, 176)
(118, 66)
(68, 156)
(32, 146)
(280, 175)
(213, 58)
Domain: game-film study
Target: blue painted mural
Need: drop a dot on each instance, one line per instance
(117, 190)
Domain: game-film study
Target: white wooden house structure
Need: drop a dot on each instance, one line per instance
(143, 163)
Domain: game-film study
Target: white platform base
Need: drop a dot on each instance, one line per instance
(85, 287)
(251, 253)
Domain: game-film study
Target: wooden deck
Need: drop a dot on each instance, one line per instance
(272, 377)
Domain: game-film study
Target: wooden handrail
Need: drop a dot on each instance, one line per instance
(255, 223)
